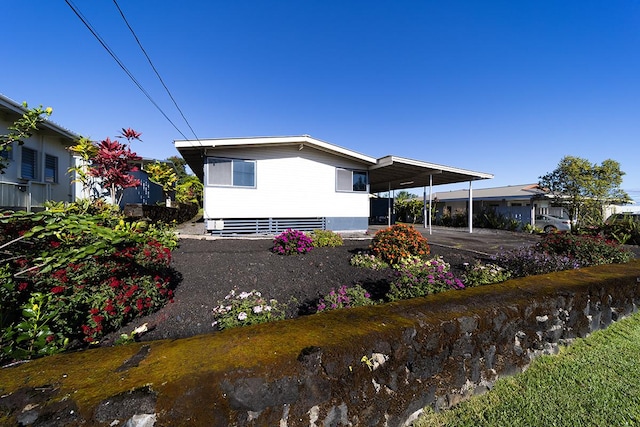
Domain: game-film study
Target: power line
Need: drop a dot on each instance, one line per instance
(153, 67)
(115, 57)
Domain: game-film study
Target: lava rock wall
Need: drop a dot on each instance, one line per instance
(366, 366)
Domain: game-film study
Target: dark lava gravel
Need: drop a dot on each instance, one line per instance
(211, 268)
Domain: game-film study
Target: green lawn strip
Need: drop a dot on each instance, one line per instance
(594, 382)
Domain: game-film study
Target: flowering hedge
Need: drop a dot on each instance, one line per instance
(74, 277)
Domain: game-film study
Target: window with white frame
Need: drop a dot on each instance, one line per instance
(50, 168)
(351, 180)
(231, 172)
(29, 164)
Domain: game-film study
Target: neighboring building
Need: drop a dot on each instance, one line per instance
(37, 170)
(268, 184)
(520, 202)
(148, 192)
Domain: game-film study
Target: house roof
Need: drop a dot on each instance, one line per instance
(193, 150)
(389, 172)
(510, 192)
(11, 107)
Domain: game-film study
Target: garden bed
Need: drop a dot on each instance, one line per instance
(211, 268)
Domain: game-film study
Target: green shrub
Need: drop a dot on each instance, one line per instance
(73, 277)
(345, 297)
(624, 231)
(244, 309)
(484, 274)
(585, 250)
(366, 260)
(398, 241)
(326, 238)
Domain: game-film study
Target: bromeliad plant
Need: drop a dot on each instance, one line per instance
(67, 277)
(244, 309)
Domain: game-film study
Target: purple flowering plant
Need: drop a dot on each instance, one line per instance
(416, 277)
(292, 242)
(345, 297)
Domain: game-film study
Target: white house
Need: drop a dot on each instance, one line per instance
(269, 184)
(37, 170)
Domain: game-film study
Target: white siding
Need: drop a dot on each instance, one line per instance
(289, 183)
(41, 191)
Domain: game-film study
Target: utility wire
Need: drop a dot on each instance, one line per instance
(115, 57)
(154, 68)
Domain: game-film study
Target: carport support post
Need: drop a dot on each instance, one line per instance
(389, 206)
(470, 207)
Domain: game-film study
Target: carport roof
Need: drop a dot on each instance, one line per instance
(396, 173)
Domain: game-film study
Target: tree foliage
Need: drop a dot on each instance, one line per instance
(585, 188)
(164, 175)
(22, 129)
(108, 163)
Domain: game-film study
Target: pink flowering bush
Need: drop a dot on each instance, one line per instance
(244, 309)
(292, 242)
(345, 297)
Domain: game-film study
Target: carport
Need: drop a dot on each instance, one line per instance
(392, 173)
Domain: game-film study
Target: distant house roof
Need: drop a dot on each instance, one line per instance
(510, 192)
(13, 108)
(385, 173)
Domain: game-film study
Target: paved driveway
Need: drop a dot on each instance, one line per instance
(481, 240)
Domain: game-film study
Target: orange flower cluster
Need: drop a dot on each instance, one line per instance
(399, 241)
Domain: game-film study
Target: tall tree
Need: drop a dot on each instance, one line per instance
(585, 188)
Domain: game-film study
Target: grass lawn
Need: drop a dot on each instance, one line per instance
(594, 382)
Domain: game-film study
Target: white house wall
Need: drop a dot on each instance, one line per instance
(289, 183)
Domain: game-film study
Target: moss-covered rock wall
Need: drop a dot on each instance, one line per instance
(367, 366)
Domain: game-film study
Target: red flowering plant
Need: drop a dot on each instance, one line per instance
(94, 273)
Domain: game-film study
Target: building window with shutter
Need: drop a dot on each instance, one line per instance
(50, 168)
(29, 165)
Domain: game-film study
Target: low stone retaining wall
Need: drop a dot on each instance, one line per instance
(367, 366)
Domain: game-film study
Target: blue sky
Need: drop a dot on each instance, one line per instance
(504, 87)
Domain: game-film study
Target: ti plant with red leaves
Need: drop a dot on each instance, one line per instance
(107, 165)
